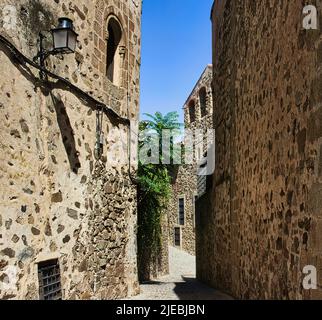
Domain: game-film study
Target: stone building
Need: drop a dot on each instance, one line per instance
(67, 213)
(261, 223)
(198, 114)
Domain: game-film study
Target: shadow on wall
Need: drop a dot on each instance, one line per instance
(62, 116)
(67, 133)
(46, 88)
(19, 61)
(204, 253)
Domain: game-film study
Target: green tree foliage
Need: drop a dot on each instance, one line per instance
(157, 125)
(154, 190)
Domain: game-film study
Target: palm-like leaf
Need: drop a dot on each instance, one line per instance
(159, 122)
(154, 190)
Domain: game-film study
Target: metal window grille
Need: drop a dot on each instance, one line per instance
(49, 280)
(177, 237)
(181, 211)
(195, 199)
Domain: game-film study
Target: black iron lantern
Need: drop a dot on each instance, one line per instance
(64, 36)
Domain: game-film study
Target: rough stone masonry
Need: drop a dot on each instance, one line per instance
(263, 223)
(57, 202)
(198, 116)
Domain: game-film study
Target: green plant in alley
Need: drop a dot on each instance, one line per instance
(154, 190)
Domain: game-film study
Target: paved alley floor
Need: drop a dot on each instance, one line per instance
(180, 284)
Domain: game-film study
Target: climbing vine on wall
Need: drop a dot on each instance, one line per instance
(154, 191)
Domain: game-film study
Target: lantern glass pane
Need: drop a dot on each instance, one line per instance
(60, 39)
(72, 39)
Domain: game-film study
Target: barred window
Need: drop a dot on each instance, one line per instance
(177, 237)
(195, 199)
(181, 212)
(49, 280)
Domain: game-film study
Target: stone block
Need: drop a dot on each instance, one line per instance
(52, 187)
(316, 236)
(315, 200)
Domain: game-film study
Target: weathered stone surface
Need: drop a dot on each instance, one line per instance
(60, 229)
(57, 197)
(8, 252)
(52, 188)
(15, 239)
(83, 266)
(35, 231)
(315, 200)
(109, 189)
(261, 224)
(15, 133)
(24, 126)
(3, 264)
(66, 239)
(72, 213)
(198, 116)
(48, 231)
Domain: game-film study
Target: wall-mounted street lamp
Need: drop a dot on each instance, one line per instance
(64, 36)
(64, 41)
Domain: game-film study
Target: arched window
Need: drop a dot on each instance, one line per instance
(192, 111)
(203, 101)
(113, 63)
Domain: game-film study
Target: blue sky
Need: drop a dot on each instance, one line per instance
(176, 47)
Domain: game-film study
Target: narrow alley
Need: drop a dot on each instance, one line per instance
(160, 150)
(181, 283)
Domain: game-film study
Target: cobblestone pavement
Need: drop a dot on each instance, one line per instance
(180, 284)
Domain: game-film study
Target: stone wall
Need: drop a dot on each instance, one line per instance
(185, 187)
(57, 200)
(204, 244)
(264, 216)
(158, 266)
(185, 181)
